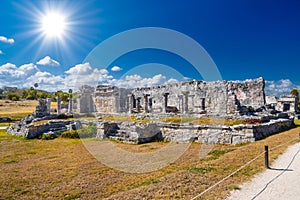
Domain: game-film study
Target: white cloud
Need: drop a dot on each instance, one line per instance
(46, 81)
(7, 40)
(1, 52)
(116, 68)
(84, 74)
(277, 88)
(132, 81)
(48, 61)
(26, 75)
(171, 81)
(11, 75)
(80, 69)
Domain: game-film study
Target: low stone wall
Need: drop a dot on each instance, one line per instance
(213, 134)
(130, 132)
(220, 134)
(31, 130)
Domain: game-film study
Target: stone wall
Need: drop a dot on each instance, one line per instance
(85, 101)
(33, 130)
(214, 134)
(220, 134)
(130, 132)
(287, 103)
(220, 97)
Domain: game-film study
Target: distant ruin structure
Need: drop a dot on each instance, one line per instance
(194, 97)
(287, 103)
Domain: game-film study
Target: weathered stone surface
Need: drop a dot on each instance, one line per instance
(128, 132)
(85, 102)
(213, 134)
(287, 103)
(41, 109)
(31, 130)
(219, 97)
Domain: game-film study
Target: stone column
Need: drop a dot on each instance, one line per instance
(48, 105)
(138, 104)
(130, 103)
(165, 103)
(58, 105)
(146, 103)
(70, 106)
(185, 99)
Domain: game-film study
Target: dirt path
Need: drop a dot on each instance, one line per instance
(282, 181)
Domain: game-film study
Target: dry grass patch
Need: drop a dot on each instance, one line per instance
(125, 119)
(19, 109)
(64, 169)
(16, 109)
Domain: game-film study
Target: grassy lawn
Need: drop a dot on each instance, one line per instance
(16, 109)
(64, 169)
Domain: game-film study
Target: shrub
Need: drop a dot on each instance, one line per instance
(87, 131)
(63, 116)
(13, 97)
(48, 136)
(70, 134)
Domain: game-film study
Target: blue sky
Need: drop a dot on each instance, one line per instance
(246, 39)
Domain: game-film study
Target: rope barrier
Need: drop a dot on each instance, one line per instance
(240, 168)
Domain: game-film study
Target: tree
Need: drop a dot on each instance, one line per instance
(295, 92)
(70, 93)
(13, 96)
(36, 85)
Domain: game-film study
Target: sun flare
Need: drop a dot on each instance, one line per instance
(53, 24)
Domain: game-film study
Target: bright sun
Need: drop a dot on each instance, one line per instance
(53, 25)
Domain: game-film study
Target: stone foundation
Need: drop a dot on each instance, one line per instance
(31, 130)
(213, 134)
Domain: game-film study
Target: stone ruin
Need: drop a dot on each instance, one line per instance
(194, 97)
(28, 127)
(220, 98)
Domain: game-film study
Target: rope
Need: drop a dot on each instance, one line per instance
(259, 193)
(240, 168)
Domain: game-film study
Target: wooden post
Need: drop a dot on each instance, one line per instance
(267, 157)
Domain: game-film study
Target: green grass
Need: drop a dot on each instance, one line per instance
(201, 170)
(145, 183)
(5, 124)
(17, 190)
(215, 154)
(234, 187)
(297, 122)
(31, 152)
(10, 162)
(72, 196)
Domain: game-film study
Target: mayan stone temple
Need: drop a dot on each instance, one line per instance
(194, 97)
(234, 100)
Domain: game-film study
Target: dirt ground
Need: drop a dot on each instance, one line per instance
(64, 169)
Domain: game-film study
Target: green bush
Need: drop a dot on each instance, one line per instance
(13, 96)
(70, 134)
(88, 131)
(48, 137)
